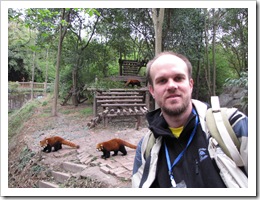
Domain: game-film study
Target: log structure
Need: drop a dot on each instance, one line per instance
(120, 103)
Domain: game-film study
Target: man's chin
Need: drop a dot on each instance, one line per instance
(172, 104)
(173, 110)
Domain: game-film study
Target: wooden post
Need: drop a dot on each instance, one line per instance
(95, 104)
(106, 121)
(120, 66)
(147, 99)
(45, 88)
(31, 82)
(138, 122)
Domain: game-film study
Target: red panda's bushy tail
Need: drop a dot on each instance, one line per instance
(132, 146)
(71, 144)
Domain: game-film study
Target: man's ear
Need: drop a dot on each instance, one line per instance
(151, 90)
(191, 84)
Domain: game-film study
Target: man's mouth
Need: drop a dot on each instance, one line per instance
(173, 96)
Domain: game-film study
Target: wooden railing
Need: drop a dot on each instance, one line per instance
(36, 85)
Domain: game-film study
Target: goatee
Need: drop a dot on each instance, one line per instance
(175, 111)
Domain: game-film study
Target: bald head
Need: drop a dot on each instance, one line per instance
(167, 57)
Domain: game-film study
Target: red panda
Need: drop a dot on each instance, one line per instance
(133, 82)
(55, 142)
(115, 145)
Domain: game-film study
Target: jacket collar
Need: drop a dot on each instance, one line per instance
(159, 126)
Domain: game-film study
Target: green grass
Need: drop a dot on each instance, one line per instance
(66, 112)
(19, 117)
(87, 111)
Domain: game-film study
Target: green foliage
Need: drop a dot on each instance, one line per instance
(223, 70)
(13, 86)
(36, 169)
(106, 84)
(18, 118)
(90, 11)
(45, 103)
(25, 157)
(65, 81)
(18, 39)
(87, 111)
(235, 38)
(92, 49)
(241, 82)
(23, 42)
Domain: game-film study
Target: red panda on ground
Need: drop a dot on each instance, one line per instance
(133, 82)
(115, 145)
(55, 142)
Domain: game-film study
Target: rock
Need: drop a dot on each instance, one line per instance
(232, 97)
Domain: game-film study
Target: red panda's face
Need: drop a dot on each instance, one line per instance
(99, 147)
(43, 143)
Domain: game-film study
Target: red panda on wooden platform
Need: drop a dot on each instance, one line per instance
(133, 82)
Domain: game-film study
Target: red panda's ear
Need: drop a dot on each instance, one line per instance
(47, 142)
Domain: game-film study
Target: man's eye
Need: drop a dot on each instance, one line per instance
(179, 78)
(162, 81)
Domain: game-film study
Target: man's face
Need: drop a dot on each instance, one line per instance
(172, 87)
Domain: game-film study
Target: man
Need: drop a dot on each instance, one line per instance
(179, 156)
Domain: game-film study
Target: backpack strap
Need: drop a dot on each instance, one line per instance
(149, 146)
(221, 130)
(147, 157)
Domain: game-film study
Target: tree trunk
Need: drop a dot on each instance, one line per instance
(207, 66)
(78, 63)
(56, 83)
(213, 54)
(46, 71)
(33, 66)
(74, 88)
(158, 16)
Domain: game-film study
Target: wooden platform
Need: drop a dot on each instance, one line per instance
(120, 103)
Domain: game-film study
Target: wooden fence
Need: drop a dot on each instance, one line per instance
(35, 85)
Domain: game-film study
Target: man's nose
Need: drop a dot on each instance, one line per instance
(172, 84)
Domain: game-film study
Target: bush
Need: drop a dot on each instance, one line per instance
(106, 84)
(13, 86)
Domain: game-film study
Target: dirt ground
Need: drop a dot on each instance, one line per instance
(27, 164)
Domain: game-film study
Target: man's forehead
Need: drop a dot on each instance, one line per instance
(168, 60)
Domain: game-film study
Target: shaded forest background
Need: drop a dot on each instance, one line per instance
(75, 47)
